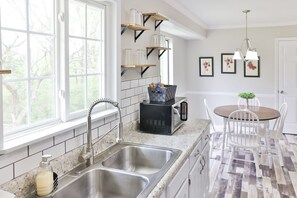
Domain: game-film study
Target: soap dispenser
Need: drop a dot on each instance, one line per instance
(44, 178)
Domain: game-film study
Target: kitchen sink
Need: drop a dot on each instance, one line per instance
(139, 159)
(103, 183)
(125, 170)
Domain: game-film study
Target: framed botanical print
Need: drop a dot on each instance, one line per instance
(252, 68)
(206, 66)
(228, 65)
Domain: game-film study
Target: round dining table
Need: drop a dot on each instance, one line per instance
(264, 114)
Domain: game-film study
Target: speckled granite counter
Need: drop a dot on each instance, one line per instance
(184, 139)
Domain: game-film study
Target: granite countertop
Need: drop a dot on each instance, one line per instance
(184, 139)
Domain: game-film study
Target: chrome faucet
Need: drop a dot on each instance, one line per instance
(89, 155)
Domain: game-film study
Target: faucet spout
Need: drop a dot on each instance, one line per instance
(90, 151)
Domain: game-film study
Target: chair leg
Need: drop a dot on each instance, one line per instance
(279, 153)
(256, 160)
(231, 159)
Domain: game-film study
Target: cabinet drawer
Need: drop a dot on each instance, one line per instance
(178, 180)
(195, 153)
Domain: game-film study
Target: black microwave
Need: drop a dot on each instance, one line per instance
(163, 118)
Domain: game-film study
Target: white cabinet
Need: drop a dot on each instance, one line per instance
(199, 173)
(183, 192)
(178, 180)
(192, 180)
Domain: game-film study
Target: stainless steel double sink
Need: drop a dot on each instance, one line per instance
(125, 170)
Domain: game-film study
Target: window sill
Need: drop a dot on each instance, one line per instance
(51, 131)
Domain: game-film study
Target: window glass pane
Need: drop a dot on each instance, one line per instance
(15, 102)
(94, 91)
(94, 17)
(76, 56)
(77, 26)
(94, 57)
(77, 93)
(42, 55)
(41, 15)
(14, 53)
(42, 100)
(13, 14)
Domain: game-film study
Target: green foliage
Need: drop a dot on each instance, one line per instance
(247, 95)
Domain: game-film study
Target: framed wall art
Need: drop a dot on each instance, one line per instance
(228, 65)
(252, 68)
(206, 66)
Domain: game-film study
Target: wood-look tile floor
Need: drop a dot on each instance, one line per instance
(241, 181)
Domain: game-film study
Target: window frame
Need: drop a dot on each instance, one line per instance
(112, 85)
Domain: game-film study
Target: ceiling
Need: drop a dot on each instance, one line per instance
(217, 14)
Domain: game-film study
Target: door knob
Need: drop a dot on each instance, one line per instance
(281, 92)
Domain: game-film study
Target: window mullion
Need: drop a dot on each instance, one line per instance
(28, 65)
(86, 55)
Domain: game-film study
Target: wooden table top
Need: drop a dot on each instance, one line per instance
(263, 113)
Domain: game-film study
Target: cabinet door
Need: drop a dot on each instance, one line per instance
(178, 180)
(195, 177)
(183, 192)
(205, 172)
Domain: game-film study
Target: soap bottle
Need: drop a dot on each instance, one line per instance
(44, 178)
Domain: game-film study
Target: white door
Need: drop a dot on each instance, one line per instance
(287, 80)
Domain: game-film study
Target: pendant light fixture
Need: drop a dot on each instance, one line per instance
(251, 53)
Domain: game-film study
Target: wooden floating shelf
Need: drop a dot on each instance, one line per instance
(135, 27)
(133, 66)
(158, 48)
(5, 71)
(156, 16)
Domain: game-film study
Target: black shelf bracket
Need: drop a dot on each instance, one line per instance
(124, 28)
(161, 53)
(137, 35)
(157, 24)
(149, 51)
(143, 70)
(123, 71)
(146, 18)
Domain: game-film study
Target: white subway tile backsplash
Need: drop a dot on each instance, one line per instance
(134, 83)
(126, 102)
(126, 119)
(156, 79)
(27, 164)
(80, 130)
(74, 143)
(6, 174)
(130, 93)
(141, 82)
(130, 109)
(149, 81)
(134, 99)
(95, 134)
(137, 90)
(97, 123)
(125, 85)
(39, 146)
(63, 137)
(104, 129)
(14, 156)
(123, 94)
(55, 151)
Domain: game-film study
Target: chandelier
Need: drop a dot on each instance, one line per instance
(251, 53)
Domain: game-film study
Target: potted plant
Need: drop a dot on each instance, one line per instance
(247, 96)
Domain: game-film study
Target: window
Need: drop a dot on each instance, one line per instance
(166, 70)
(58, 61)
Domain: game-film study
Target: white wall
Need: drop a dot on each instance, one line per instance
(223, 88)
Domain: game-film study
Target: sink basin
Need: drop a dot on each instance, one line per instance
(103, 183)
(143, 160)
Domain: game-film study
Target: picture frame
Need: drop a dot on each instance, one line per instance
(206, 67)
(228, 64)
(252, 68)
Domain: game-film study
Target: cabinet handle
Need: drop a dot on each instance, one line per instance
(202, 167)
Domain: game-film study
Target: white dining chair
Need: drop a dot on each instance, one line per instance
(214, 130)
(276, 133)
(242, 133)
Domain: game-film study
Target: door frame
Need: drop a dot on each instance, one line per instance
(277, 67)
